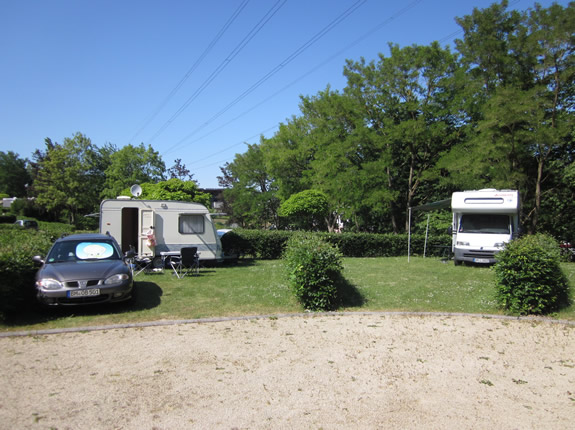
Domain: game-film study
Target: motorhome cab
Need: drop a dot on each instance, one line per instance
(153, 227)
(483, 221)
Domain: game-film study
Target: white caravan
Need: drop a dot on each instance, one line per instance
(153, 227)
(483, 221)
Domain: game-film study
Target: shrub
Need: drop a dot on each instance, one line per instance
(528, 276)
(313, 267)
(270, 244)
(17, 247)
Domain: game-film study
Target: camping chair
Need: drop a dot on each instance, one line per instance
(187, 263)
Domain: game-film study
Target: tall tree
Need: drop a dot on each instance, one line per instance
(132, 165)
(251, 194)
(406, 97)
(69, 177)
(14, 176)
(180, 171)
(523, 70)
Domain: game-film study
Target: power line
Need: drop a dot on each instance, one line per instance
(252, 33)
(276, 69)
(206, 51)
(317, 67)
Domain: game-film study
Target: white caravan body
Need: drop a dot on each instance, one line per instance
(483, 221)
(174, 224)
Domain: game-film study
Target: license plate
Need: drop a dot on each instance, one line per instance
(84, 293)
(481, 260)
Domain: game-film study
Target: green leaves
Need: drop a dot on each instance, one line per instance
(529, 279)
(313, 267)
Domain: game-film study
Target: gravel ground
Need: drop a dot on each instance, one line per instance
(362, 371)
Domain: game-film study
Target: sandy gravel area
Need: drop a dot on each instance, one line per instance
(361, 371)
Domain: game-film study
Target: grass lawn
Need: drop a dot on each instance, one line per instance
(259, 288)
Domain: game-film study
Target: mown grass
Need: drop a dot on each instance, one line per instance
(259, 288)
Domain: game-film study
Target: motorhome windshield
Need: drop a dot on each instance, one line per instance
(484, 223)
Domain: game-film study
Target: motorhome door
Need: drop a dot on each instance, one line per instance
(147, 232)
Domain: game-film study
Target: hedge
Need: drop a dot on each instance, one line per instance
(270, 244)
(17, 270)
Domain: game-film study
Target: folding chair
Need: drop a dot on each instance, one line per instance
(187, 263)
(142, 264)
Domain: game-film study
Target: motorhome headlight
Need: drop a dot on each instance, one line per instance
(458, 243)
(499, 244)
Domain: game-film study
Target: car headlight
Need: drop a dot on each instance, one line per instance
(49, 284)
(117, 279)
(462, 243)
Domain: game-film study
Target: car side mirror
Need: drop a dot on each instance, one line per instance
(38, 260)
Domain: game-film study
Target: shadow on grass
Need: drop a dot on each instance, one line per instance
(348, 295)
(147, 295)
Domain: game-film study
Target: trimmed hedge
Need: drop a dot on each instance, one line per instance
(17, 270)
(270, 244)
(313, 267)
(529, 279)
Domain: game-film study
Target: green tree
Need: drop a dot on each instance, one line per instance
(69, 177)
(14, 176)
(132, 165)
(250, 194)
(521, 90)
(307, 210)
(173, 189)
(406, 97)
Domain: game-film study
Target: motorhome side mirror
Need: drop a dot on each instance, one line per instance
(450, 230)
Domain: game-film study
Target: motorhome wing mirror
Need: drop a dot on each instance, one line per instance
(450, 230)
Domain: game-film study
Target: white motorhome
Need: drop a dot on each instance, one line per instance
(153, 227)
(483, 221)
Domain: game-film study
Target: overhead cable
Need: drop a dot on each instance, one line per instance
(191, 70)
(253, 32)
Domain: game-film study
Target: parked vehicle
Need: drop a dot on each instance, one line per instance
(27, 223)
(84, 269)
(155, 228)
(483, 221)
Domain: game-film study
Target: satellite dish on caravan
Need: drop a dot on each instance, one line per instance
(136, 190)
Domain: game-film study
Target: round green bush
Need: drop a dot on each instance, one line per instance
(529, 279)
(313, 267)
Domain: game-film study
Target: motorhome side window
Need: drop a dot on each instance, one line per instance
(484, 223)
(191, 224)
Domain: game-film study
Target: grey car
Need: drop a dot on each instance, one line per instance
(84, 269)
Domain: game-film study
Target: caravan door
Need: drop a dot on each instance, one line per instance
(147, 235)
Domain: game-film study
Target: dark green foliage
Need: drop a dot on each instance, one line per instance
(529, 278)
(17, 270)
(313, 267)
(270, 244)
(17, 247)
(7, 219)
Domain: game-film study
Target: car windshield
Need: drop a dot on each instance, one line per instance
(484, 223)
(82, 251)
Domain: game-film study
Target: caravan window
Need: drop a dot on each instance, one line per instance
(191, 224)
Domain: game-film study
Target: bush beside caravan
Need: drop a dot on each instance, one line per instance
(152, 227)
(483, 221)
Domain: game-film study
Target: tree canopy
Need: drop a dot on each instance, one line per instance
(424, 121)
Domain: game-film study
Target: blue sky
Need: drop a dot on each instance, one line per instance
(194, 79)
